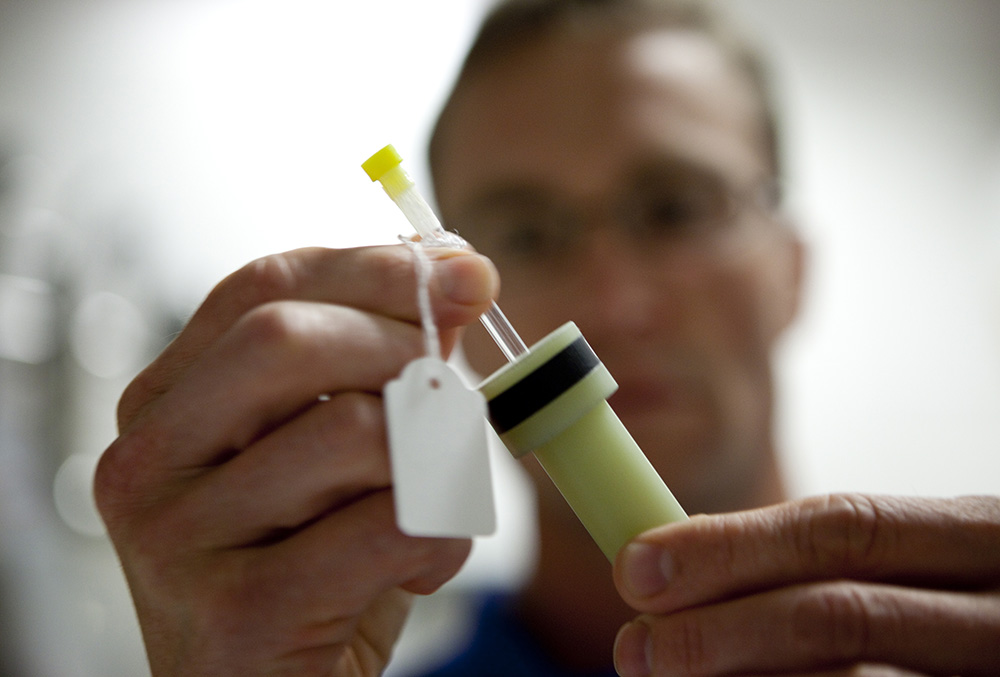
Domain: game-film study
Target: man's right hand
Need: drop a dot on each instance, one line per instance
(248, 495)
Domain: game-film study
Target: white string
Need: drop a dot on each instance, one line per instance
(432, 342)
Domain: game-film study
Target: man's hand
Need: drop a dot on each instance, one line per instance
(840, 585)
(249, 494)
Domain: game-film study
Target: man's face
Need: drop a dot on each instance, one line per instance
(616, 180)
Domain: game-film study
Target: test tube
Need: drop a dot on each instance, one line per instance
(386, 167)
(551, 400)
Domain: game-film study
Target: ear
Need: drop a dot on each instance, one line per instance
(790, 282)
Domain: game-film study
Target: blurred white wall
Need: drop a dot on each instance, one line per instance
(239, 125)
(158, 144)
(892, 379)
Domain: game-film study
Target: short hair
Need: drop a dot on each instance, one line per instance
(512, 24)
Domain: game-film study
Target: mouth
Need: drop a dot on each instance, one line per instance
(643, 396)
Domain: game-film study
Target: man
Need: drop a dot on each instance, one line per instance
(617, 160)
(618, 169)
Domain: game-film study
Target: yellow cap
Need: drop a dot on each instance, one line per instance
(381, 162)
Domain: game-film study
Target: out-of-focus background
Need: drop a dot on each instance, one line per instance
(148, 147)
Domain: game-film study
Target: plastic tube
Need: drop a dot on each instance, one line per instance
(386, 167)
(551, 400)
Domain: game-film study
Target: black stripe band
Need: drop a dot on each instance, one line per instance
(543, 385)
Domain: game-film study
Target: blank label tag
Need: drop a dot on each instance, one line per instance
(439, 453)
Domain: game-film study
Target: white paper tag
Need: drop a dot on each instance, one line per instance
(439, 454)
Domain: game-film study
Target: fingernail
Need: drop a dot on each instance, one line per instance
(465, 278)
(633, 651)
(646, 569)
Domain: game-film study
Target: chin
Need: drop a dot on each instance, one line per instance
(670, 434)
(686, 452)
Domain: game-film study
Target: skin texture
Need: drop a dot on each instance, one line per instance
(249, 496)
(838, 585)
(686, 328)
(254, 519)
(858, 585)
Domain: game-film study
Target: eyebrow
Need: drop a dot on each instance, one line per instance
(641, 172)
(507, 193)
(654, 170)
(518, 193)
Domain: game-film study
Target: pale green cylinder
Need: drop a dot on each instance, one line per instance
(558, 391)
(607, 480)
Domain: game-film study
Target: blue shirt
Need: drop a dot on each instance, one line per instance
(502, 647)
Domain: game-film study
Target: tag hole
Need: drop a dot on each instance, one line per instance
(435, 384)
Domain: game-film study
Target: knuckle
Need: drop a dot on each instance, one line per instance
(683, 647)
(348, 432)
(272, 324)
(149, 523)
(269, 278)
(143, 388)
(831, 622)
(109, 480)
(356, 414)
(842, 532)
(119, 480)
(981, 512)
(394, 270)
(272, 334)
(732, 537)
(356, 427)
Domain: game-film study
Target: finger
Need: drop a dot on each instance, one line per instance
(860, 670)
(635, 666)
(377, 279)
(306, 576)
(942, 542)
(364, 646)
(822, 626)
(274, 363)
(330, 455)
(308, 590)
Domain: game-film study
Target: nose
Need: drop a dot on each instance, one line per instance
(618, 290)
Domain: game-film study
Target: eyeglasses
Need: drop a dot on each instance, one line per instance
(526, 228)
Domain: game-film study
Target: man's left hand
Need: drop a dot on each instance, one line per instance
(838, 585)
